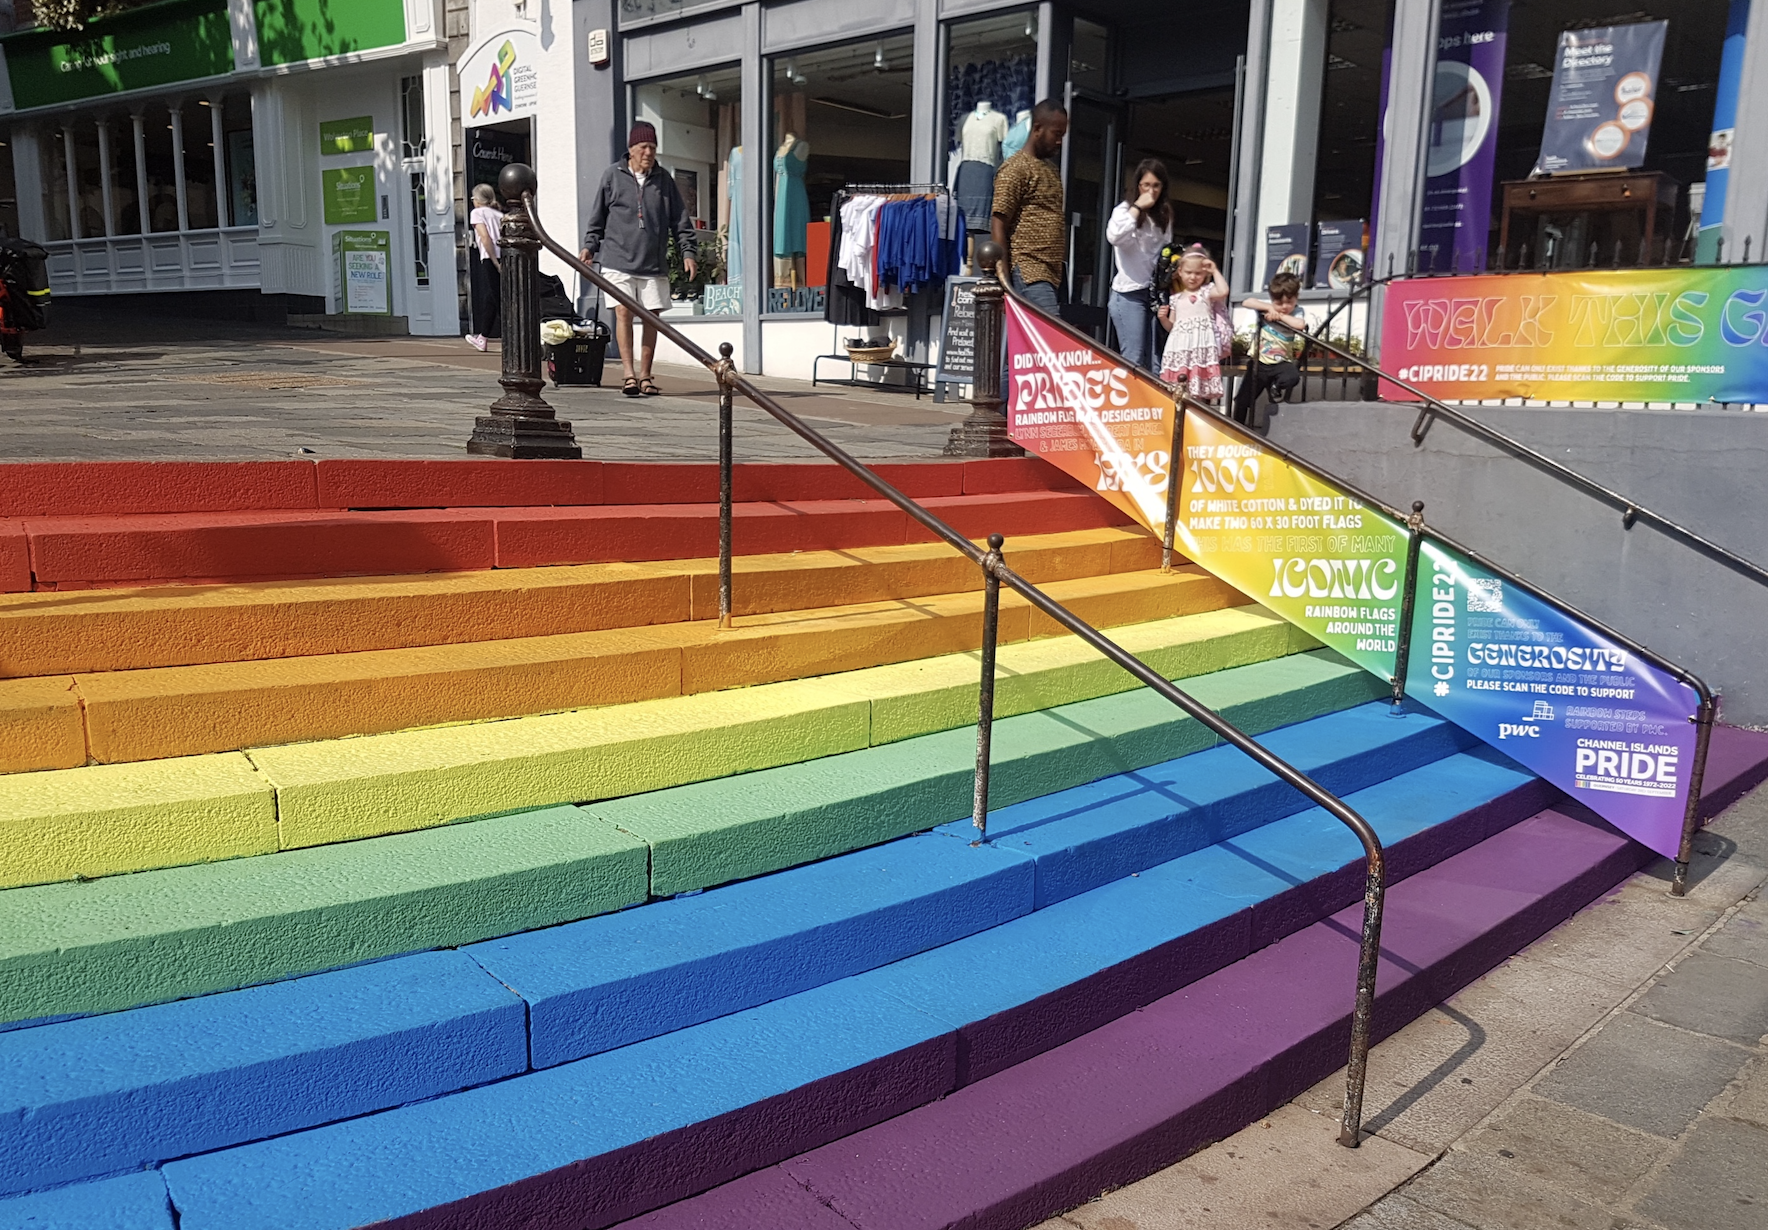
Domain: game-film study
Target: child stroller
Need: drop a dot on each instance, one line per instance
(24, 294)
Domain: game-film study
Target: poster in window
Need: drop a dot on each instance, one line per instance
(1604, 94)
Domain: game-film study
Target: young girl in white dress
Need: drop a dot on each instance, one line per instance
(1193, 355)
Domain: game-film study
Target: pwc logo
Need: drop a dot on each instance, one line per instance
(1517, 730)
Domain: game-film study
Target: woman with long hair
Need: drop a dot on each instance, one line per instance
(484, 273)
(1140, 226)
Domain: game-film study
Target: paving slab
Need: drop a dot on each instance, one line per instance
(1745, 937)
(1645, 1075)
(1712, 995)
(1285, 1172)
(1482, 1192)
(1588, 1156)
(1719, 1181)
(1750, 1103)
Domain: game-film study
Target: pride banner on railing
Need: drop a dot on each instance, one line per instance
(1554, 694)
(1531, 679)
(1082, 409)
(1629, 335)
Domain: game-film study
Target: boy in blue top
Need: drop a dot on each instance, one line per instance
(1275, 348)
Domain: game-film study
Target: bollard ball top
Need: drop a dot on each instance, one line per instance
(988, 254)
(514, 180)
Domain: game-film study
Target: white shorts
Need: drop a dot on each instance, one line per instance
(650, 289)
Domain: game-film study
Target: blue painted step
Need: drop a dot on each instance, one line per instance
(659, 1119)
(81, 1098)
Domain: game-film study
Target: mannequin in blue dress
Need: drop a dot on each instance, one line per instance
(791, 212)
(733, 242)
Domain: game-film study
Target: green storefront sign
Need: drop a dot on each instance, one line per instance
(155, 45)
(348, 194)
(354, 136)
(290, 31)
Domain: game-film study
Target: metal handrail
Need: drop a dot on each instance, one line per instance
(1631, 511)
(996, 573)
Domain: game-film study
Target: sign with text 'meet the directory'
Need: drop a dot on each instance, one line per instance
(1554, 694)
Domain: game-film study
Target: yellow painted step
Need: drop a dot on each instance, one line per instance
(133, 629)
(185, 710)
(105, 819)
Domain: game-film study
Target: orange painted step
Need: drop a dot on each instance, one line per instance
(179, 711)
(137, 628)
(85, 552)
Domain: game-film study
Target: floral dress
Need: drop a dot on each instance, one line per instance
(1193, 355)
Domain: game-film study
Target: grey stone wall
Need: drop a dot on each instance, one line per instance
(1706, 469)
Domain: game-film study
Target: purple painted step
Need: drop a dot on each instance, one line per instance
(1145, 1090)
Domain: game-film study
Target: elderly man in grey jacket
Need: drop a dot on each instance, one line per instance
(636, 208)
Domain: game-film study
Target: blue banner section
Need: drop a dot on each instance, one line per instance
(1554, 694)
(1712, 210)
(1453, 227)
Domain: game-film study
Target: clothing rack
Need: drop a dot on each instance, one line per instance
(893, 190)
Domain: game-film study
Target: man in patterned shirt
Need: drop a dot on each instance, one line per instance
(1028, 221)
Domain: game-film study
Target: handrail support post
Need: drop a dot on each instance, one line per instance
(1174, 473)
(1350, 1129)
(1703, 736)
(991, 620)
(722, 370)
(1403, 641)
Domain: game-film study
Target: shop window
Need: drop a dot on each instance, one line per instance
(124, 199)
(199, 167)
(699, 122)
(8, 190)
(88, 182)
(840, 116)
(1350, 109)
(162, 175)
(989, 92)
(414, 128)
(241, 161)
(55, 184)
(1089, 62)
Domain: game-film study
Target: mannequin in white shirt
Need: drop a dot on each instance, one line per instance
(981, 135)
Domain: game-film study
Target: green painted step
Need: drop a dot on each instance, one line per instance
(713, 832)
(113, 943)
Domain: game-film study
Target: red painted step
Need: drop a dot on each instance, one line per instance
(86, 525)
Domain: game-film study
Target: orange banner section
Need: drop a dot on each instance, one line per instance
(1080, 408)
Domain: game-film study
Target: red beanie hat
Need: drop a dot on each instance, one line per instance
(641, 134)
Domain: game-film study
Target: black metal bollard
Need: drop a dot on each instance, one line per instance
(521, 423)
(984, 432)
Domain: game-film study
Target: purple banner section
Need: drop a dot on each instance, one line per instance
(1457, 211)
(1554, 694)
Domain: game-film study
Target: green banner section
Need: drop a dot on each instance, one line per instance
(349, 194)
(158, 44)
(1302, 546)
(290, 31)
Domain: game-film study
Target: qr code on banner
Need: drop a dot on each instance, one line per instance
(1485, 594)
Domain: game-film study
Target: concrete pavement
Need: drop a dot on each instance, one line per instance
(179, 389)
(1612, 1076)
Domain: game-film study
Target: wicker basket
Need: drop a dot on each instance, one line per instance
(871, 354)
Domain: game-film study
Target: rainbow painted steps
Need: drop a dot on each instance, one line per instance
(190, 522)
(1021, 943)
(124, 675)
(118, 941)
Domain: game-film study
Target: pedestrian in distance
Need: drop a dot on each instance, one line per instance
(636, 208)
(1193, 354)
(1275, 348)
(1027, 220)
(1140, 226)
(484, 274)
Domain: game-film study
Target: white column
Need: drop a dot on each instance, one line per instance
(104, 176)
(1746, 196)
(176, 111)
(1294, 77)
(139, 122)
(27, 181)
(220, 151)
(67, 146)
